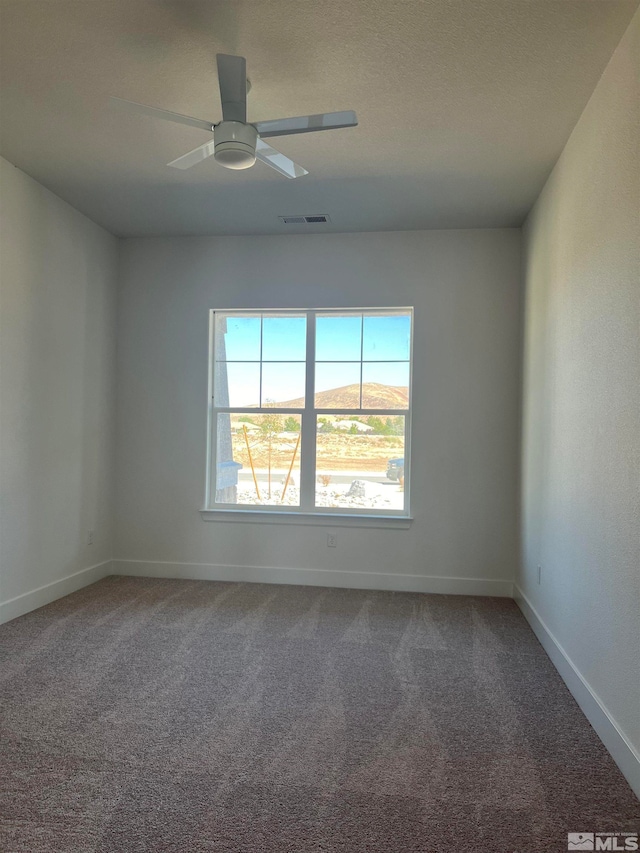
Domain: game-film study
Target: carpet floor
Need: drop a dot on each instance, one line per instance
(167, 716)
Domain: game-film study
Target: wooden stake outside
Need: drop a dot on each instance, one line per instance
(255, 479)
(293, 459)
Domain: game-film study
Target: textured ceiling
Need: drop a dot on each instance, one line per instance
(464, 106)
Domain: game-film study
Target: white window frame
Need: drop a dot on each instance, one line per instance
(307, 512)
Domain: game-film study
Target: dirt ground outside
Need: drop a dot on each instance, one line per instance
(335, 451)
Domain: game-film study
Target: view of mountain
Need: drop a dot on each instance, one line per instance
(374, 396)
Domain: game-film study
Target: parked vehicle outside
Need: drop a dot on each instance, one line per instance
(395, 468)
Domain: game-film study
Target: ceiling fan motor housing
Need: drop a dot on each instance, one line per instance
(235, 144)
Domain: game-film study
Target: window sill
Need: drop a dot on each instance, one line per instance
(309, 518)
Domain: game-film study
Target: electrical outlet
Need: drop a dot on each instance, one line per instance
(90, 537)
(539, 573)
(332, 540)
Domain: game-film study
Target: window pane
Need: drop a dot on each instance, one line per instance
(283, 384)
(237, 337)
(360, 462)
(337, 386)
(258, 459)
(385, 385)
(386, 337)
(338, 337)
(237, 384)
(284, 338)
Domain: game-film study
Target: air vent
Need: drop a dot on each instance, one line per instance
(305, 220)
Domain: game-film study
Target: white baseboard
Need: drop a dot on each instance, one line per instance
(592, 706)
(314, 577)
(35, 598)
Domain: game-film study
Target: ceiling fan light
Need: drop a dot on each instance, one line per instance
(235, 144)
(233, 156)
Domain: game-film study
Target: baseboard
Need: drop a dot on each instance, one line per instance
(35, 598)
(314, 577)
(594, 709)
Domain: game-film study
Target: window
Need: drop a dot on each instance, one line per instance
(310, 412)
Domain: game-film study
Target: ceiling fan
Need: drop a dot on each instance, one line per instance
(236, 143)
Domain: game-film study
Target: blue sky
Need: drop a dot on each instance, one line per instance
(339, 338)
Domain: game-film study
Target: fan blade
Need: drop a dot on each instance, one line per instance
(131, 106)
(306, 124)
(280, 162)
(196, 156)
(232, 79)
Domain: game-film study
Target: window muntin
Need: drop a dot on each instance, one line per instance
(308, 411)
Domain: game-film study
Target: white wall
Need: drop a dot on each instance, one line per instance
(465, 286)
(581, 445)
(58, 275)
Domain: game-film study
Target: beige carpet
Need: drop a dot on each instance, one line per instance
(145, 715)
